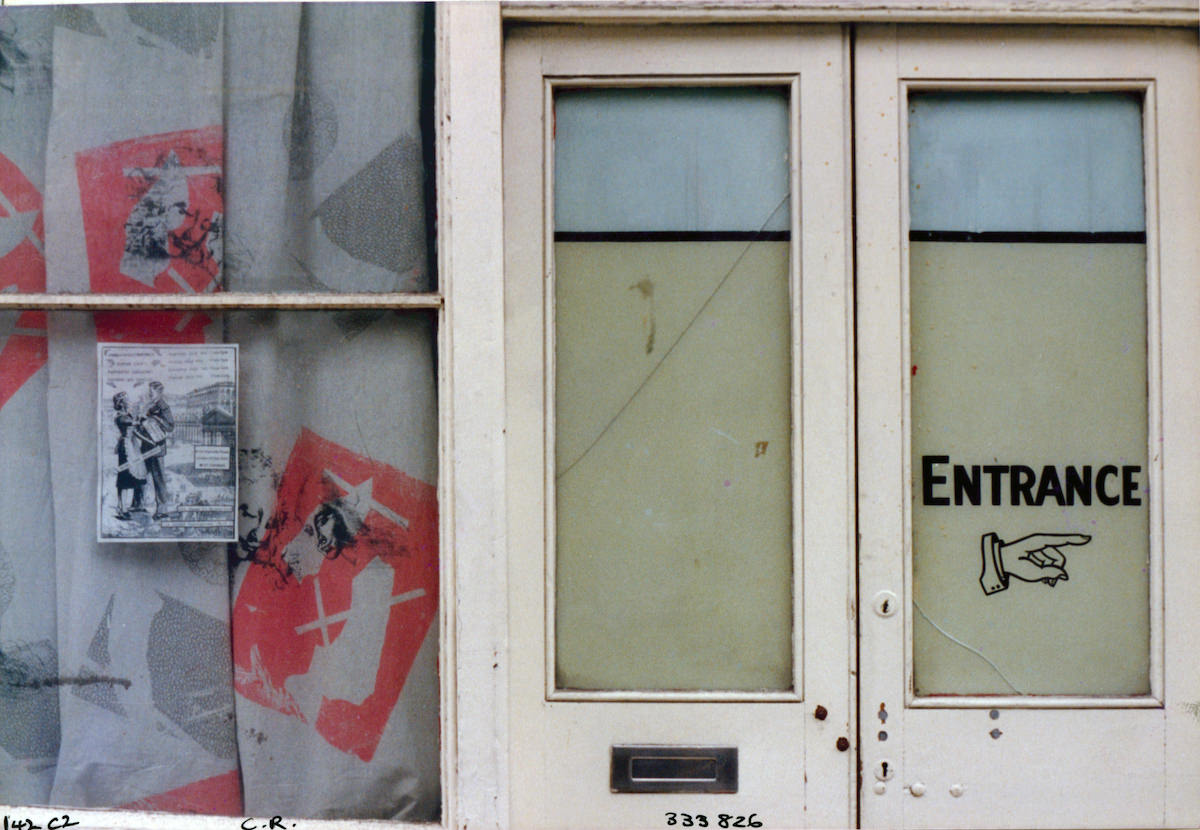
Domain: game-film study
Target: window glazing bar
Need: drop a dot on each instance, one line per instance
(218, 301)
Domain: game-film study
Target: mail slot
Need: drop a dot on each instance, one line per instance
(674, 769)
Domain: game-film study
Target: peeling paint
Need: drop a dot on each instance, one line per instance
(645, 287)
(1193, 709)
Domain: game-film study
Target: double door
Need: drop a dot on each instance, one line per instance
(849, 475)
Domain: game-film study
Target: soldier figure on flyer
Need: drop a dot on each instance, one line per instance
(154, 425)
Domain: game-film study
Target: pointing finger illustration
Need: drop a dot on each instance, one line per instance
(1037, 541)
(1032, 558)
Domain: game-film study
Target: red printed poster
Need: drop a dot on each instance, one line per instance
(153, 223)
(341, 594)
(220, 795)
(22, 268)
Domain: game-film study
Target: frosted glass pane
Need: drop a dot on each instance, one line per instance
(1030, 373)
(1025, 162)
(1029, 418)
(673, 447)
(692, 159)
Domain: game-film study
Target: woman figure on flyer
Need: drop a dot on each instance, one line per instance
(131, 470)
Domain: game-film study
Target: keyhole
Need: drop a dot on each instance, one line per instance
(885, 767)
(884, 603)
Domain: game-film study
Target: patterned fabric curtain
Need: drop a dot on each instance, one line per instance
(196, 148)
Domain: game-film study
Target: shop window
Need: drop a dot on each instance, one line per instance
(219, 565)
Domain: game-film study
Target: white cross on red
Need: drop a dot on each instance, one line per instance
(23, 225)
(10, 328)
(323, 622)
(360, 500)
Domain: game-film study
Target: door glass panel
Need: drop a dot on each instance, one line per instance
(672, 434)
(1029, 414)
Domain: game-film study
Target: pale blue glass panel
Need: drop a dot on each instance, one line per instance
(1022, 161)
(678, 159)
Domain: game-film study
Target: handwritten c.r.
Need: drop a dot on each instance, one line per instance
(275, 823)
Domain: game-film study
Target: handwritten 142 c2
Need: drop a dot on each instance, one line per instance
(56, 823)
(722, 820)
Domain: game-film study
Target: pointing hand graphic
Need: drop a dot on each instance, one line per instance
(1033, 558)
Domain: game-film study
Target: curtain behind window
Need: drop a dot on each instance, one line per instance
(193, 148)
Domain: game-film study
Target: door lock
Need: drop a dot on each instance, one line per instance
(885, 603)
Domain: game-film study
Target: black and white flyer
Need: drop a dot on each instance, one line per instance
(167, 443)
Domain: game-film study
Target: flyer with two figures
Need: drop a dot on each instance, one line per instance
(167, 443)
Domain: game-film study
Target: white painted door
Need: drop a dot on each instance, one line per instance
(679, 426)
(1028, 469)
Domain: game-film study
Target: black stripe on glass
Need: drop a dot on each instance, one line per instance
(1027, 236)
(672, 236)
